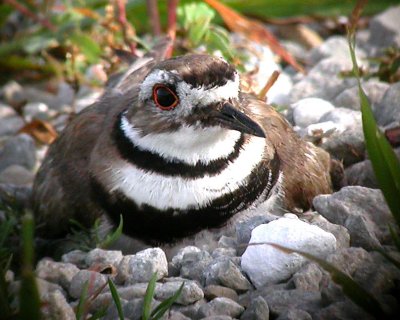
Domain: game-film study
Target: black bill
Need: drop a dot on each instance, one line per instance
(229, 117)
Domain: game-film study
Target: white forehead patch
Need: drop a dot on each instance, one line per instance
(203, 96)
(189, 96)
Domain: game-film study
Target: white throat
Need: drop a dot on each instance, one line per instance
(188, 144)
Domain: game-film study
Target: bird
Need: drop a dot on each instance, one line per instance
(178, 150)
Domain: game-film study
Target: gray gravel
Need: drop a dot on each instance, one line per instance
(325, 109)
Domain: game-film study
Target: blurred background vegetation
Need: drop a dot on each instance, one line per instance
(63, 38)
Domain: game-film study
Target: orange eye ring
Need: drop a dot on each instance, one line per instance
(164, 97)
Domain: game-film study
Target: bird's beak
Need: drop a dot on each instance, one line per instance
(231, 118)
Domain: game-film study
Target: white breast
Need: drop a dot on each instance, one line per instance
(164, 192)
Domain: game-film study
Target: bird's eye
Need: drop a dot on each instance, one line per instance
(164, 97)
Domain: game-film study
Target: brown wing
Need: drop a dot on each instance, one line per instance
(62, 183)
(305, 166)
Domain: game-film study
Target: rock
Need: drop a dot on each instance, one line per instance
(59, 307)
(334, 47)
(217, 318)
(347, 146)
(362, 174)
(346, 143)
(257, 310)
(349, 98)
(141, 266)
(388, 110)
(96, 280)
(341, 233)
(191, 291)
(13, 94)
(215, 291)
(176, 261)
(16, 175)
(384, 29)
(310, 110)
(220, 306)
(103, 257)
(280, 91)
(10, 125)
(36, 110)
(45, 288)
(19, 150)
(56, 272)
(362, 211)
(223, 271)
(175, 315)
(323, 81)
(227, 242)
(345, 310)
(194, 263)
(265, 264)
(223, 252)
(13, 195)
(65, 96)
(348, 260)
(377, 275)
(280, 301)
(10, 121)
(244, 229)
(191, 310)
(76, 257)
(308, 278)
(345, 118)
(294, 314)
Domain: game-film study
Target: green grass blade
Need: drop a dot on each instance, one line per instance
(164, 306)
(148, 297)
(111, 238)
(80, 311)
(352, 289)
(117, 300)
(29, 305)
(384, 161)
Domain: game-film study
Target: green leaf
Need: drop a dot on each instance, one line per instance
(384, 161)
(117, 300)
(198, 30)
(164, 306)
(87, 46)
(217, 40)
(352, 289)
(37, 43)
(80, 312)
(148, 297)
(29, 306)
(111, 238)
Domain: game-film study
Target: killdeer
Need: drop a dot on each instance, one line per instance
(175, 147)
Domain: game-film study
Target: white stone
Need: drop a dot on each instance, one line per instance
(280, 91)
(309, 110)
(144, 264)
(265, 264)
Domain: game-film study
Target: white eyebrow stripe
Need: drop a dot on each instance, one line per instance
(204, 96)
(191, 96)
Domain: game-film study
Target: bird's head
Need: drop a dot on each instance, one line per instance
(196, 91)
